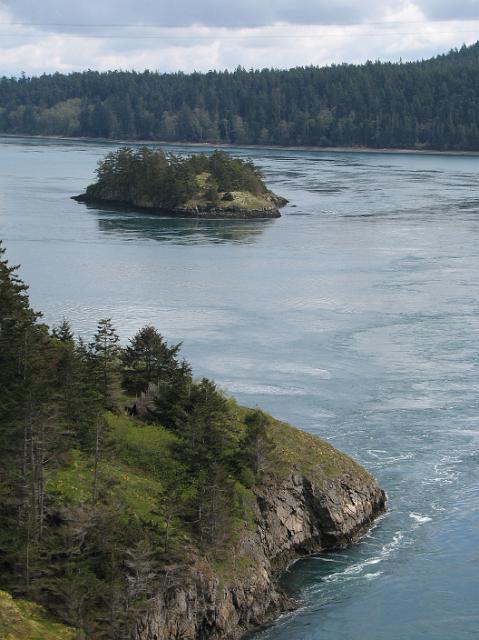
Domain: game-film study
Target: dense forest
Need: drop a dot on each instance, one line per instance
(430, 104)
(116, 465)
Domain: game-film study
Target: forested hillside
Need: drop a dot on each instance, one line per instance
(97, 507)
(121, 476)
(432, 104)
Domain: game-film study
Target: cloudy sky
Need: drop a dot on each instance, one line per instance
(171, 35)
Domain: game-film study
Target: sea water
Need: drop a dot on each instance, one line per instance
(354, 316)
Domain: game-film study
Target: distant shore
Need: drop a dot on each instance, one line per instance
(224, 145)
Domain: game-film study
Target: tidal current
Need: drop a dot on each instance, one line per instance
(354, 316)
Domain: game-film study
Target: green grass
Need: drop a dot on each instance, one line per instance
(309, 455)
(138, 493)
(241, 199)
(23, 620)
(134, 473)
(138, 473)
(301, 452)
(72, 483)
(245, 200)
(139, 445)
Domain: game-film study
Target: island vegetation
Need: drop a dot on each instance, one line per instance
(120, 473)
(214, 185)
(429, 104)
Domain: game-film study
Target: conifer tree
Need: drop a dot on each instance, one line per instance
(147, 360)
(26, 416)
(257, 445)
(171, 400)
(105, 350)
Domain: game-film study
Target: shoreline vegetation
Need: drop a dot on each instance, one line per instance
(139, 502)
(213, 145)
(201, 186)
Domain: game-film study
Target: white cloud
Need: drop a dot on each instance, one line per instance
(406, 31)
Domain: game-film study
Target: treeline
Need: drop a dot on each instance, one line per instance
(432, 104)
(98, 509)
(148, 176)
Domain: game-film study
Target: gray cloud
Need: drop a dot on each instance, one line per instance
(208, 34)
(220, 13)
(213, 13)
(447, 10)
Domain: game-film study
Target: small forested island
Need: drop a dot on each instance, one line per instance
(201, 185)
(139, 503)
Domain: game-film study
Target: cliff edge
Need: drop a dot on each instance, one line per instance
(318, 499)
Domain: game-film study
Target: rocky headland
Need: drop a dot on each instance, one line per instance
(295, 518)
(157, 507)
(317, 499)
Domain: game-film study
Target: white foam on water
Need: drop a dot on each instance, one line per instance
(292, 368)
(261, 389)
(375, 452)
(472, 433)
(437, 507)
(384, 458)
(419, 518)
(356, 570)
(320, 559)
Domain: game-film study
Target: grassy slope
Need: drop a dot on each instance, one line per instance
(22, 620)
(241, 199)
(138, 468)
(310, 455)
(136, 461)
(302, 452)
(138, 464)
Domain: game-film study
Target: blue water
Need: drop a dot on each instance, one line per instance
(354, 316)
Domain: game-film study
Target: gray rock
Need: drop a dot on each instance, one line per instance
(294, 518)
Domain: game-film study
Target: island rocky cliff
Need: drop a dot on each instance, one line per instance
(295, 517)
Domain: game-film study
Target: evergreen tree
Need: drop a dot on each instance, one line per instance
(26, 417)
(172, 398)
(257, 444)
(105, 350)
(147, 360)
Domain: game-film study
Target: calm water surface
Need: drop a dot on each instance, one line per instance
(354, 316)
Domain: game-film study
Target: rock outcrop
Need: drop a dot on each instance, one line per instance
(295, 516)
(270, 208)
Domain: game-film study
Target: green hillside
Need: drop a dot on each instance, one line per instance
(119, 469)
(428, 104)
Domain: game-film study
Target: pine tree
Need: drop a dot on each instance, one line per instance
(105, 351)
(172, 398)
(26, 419)
(257, 444)
(148, 360)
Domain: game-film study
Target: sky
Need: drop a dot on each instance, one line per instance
(188, 35)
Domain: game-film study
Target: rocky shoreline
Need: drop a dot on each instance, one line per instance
(295, 517)
(206, 211)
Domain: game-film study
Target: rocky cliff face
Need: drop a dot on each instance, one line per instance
(295, 517)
